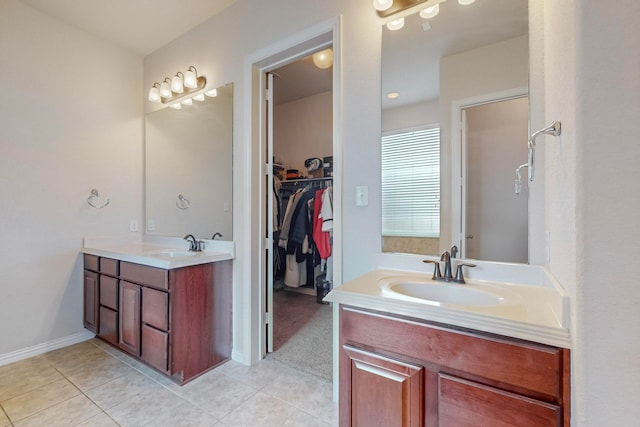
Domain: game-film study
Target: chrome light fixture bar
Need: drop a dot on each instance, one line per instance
(180, 88)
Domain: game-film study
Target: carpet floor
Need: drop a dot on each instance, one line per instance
(302, 336)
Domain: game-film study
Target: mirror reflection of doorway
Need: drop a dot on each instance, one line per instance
(496, 225)
(302, 150)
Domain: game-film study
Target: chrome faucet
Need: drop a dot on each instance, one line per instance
(194, 244)
(448, 277)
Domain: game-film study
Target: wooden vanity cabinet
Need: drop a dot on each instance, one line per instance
(90, 311)
(178, 321)
(397, 371)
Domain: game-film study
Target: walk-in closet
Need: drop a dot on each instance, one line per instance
(302, 226)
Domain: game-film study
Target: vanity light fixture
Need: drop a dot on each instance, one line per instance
(396, 24)
(212, 93)
(393, 95)
(165, 88)
(177, 85)
(199, 97)
(382, 4)
(154, 93)
(323, 59)
(191, 78)
(430, 12)
(178, 89)
(175, 106)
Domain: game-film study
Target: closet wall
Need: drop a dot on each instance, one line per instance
(303, 129)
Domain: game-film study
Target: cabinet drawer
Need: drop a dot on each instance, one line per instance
(109, 266)
(521, 367)
(150, 276)
(108, 325)
(91, 262)
(109, 292)
(464, 403)
(155, 308)
(155, 348)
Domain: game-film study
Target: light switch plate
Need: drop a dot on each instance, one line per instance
(362, 195)
(133, 225)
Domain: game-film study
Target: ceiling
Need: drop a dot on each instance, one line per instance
(143, 26)
(140, 26)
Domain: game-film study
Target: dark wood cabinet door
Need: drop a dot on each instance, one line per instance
(91, 295)
(384, 392)
(463, 403)
(108, 325)
(155, 348)
(109, 292)
(129, 339)
(155, 308)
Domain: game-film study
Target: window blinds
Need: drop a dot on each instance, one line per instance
(411, 183)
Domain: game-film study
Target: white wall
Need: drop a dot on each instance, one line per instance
(592, 83)
(70, 121)
(302, 129)
(411, 115)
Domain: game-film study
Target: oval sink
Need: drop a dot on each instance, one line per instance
(442, 293)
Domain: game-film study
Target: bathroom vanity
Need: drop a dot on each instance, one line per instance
(176, 318)
(409, 363)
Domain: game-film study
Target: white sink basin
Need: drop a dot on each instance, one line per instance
(443, 293)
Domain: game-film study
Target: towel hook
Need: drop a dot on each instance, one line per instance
(553, 129)
(183, 203)
(95, 194)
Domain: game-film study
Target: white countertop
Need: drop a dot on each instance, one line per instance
(539, 315)
(154, 250)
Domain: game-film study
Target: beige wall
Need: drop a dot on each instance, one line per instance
(70, 121)
(303, 129)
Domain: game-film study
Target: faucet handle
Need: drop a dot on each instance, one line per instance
(436, 269)
(459, 276)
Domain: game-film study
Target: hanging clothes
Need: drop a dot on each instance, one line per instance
(321, 238)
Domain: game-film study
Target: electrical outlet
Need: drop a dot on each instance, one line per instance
(151, 225)
(133, 225)
(225, 206)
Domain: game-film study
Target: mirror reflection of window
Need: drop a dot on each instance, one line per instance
(411, 190)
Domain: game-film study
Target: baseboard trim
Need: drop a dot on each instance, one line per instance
(35, 350)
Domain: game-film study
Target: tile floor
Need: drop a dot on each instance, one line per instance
(92, 384)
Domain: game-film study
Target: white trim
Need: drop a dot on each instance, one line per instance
(249, 313)
(458, 155)
(45, 347)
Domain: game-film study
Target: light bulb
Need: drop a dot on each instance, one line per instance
(175, 106)
(154, 93)
(430, 12)
(395, 24)
(393, 95)
(176, 83)
(323, 59)
(191, 78)
(165, 89)
(187, 101)
(212, 93)
(199, 97)
(465, 2)
(382, 4)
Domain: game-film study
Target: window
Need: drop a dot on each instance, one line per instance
(411, 183)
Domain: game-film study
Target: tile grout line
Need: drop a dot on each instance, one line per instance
(85, 395)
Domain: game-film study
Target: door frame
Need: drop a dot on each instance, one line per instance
(459, 157)
(255, 217)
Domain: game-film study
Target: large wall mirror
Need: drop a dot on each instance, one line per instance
(454, 130)
(188, 168)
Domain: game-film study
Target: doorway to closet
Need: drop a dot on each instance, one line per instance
(300, 204)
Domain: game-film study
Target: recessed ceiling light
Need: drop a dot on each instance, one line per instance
(393, 95)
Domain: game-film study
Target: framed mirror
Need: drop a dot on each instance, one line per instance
(188, 168)
(451, 138)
